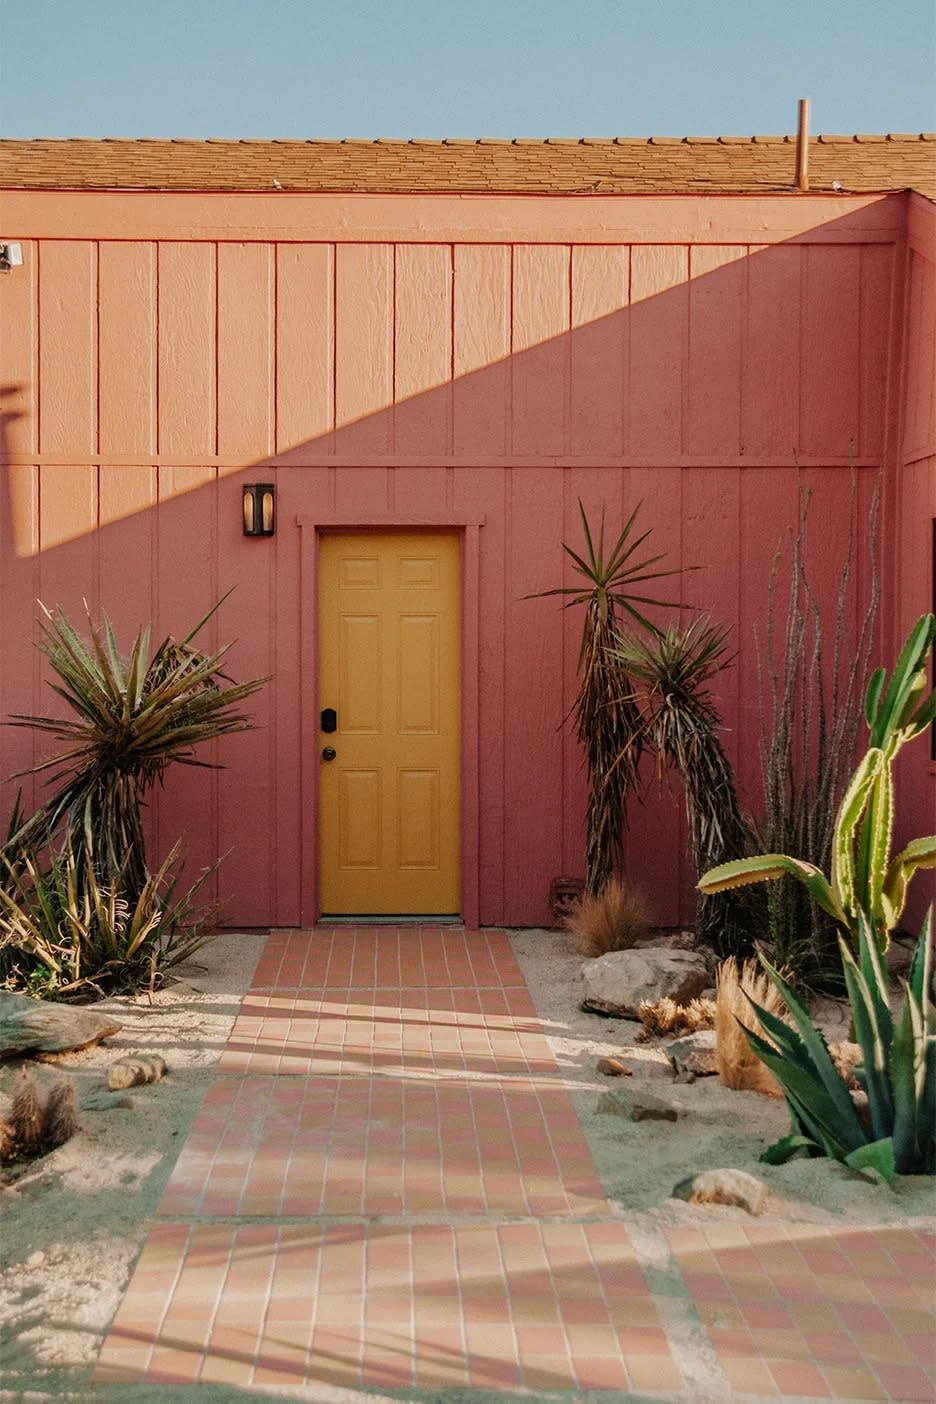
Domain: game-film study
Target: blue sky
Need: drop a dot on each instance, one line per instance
(463, 68)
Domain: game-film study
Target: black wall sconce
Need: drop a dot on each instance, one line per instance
(259, 509)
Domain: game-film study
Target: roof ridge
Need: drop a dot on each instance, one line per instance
(824, 137)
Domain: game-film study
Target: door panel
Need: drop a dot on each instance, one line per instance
(389, 610)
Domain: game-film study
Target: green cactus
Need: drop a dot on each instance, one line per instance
(864, 877)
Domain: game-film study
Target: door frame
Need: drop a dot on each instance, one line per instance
(468, 527)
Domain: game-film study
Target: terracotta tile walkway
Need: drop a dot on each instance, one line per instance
(388, 1187)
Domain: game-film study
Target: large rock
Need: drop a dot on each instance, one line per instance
(41, 1026)
(617, 982)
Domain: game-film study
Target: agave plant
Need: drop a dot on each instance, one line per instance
(607, 720)
(680, 723)
(132, 720)
(898, 1071)
(865, 879)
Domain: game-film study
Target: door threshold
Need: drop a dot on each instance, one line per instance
(406, 919)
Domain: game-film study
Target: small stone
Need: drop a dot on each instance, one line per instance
(613, 1067)
(684, 1075)
(724, 1187)
(694, 1053)
(636, 1106)
(132, 1072)
(35, 1259)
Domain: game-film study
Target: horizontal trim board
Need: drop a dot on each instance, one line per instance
(318, 520)
(596, 219)
(288, 461)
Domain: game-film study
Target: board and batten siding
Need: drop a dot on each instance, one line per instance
(915, 518)
(149, 369)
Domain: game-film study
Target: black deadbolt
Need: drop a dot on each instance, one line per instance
(329, 719)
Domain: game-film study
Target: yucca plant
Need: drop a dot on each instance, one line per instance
(898, 1071)
(57, 917)
(679, 721)
(865, 880)
(606, 716)
(133, 719)
(77, 898)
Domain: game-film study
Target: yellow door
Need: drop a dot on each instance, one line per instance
(389, 611)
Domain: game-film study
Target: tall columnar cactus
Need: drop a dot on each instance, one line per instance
(864, 877)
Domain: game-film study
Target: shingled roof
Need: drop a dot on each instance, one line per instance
(619, 165)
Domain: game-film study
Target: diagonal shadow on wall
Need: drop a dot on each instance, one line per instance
(685, 379)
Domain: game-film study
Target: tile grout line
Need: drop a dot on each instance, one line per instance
(214, 1314)
(686, 1332)
(570, 1353)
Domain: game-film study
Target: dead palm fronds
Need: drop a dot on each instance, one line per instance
(672, 671)
(735, 986)
(615, 919)
(811, 708)
(607, 720)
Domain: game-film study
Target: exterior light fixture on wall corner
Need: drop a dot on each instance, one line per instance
(259, 509)
(11, 255)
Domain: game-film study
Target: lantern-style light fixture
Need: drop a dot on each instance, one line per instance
(259, 509)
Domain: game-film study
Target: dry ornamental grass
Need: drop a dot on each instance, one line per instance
(665, 1016)
(738, 1065)
(614, 920)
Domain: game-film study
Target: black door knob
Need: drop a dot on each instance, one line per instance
(329, 753)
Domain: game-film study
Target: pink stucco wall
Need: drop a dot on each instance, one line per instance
(473, 362)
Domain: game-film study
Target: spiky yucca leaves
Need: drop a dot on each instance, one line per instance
(607, 720)
(680, 723)
(132, 720)
(57, 917)
(614, 919)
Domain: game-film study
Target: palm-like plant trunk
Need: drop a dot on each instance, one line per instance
(608, 728)
(681, 724)
(607, 719)
(716, 826)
